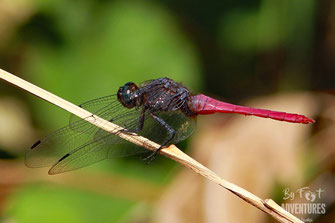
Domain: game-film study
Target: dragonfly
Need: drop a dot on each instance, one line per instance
(161, 110)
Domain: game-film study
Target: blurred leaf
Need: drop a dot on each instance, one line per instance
(46, 203)
(123, 42)
(239, 30)
(271, 25)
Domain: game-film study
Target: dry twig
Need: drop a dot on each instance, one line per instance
(268, 205)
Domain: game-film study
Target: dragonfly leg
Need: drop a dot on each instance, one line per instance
(140, 124)
(171, 132)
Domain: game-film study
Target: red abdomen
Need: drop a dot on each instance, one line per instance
(202, 104)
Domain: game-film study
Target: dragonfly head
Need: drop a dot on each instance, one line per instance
(128, 95)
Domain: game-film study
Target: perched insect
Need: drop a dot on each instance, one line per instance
(161, 110)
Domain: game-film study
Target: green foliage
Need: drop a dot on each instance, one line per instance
(271, 25)
(121, 42)
(48, 203)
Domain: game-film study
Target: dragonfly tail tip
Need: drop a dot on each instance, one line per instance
(308, 120)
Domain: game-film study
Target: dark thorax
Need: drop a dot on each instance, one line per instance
(164, 94)
(159, 95)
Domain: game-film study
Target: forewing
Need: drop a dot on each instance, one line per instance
(51, 148)
(104, 107)
(129, 120)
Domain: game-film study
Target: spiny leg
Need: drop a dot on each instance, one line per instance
(140, 124)
(171, 132)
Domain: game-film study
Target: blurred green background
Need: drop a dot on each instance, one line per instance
(80, 50)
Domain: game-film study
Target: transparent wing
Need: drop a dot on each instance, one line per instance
(182, 124)
(100, 148)
(93, 152)
(79, 132)
(103, 106)
(80, 144)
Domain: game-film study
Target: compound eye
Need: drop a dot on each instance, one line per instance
(126, 95)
